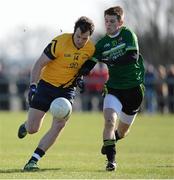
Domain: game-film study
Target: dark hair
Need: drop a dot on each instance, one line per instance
(117, 11)
(85, 24)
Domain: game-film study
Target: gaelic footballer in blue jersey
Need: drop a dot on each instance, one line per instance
(56, 74)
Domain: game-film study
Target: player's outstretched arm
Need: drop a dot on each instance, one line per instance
(86, 68)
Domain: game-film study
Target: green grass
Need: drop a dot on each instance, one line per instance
(148, 151)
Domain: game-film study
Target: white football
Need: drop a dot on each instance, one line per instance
(61, 108)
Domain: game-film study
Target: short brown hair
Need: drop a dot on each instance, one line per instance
(117, 11)
(85, 24)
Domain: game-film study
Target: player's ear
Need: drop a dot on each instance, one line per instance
(120, 22)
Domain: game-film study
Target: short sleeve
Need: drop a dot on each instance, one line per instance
(131, 40)
(50, 50)
(98, 53)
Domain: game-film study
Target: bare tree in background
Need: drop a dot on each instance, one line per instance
(24, 45)
(154, 22)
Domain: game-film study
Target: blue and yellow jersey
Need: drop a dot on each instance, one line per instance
(66, 60)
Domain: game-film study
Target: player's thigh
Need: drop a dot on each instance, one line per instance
(35, 119)
(123, 129)
(112, 108)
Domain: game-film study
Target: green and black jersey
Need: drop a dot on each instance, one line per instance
(121, 76)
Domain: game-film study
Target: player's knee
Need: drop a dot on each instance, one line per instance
(32, 130)
(110, 122)
(59, 124)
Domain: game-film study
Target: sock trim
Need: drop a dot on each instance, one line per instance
(36, 156)
(40, 152)
(109, 142)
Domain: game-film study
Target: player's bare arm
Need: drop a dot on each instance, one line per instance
(36, 70)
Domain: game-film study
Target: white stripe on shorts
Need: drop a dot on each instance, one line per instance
(127, 119)
(111, 101)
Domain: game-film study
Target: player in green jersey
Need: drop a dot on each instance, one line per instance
(124, 90)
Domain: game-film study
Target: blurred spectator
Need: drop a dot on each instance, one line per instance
(170, 83)
(22, 86)
(150, 95)
(161, 89)
(92, 98)
(4, 90)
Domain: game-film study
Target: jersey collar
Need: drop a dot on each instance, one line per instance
(115, 35)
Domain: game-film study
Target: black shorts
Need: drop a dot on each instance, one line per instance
(46, 93)
(130, 99)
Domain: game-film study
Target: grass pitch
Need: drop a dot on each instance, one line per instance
(147, 152)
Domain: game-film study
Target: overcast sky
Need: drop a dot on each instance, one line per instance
(29, 14)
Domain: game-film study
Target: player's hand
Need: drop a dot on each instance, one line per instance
(31, 93)
(80, 83)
